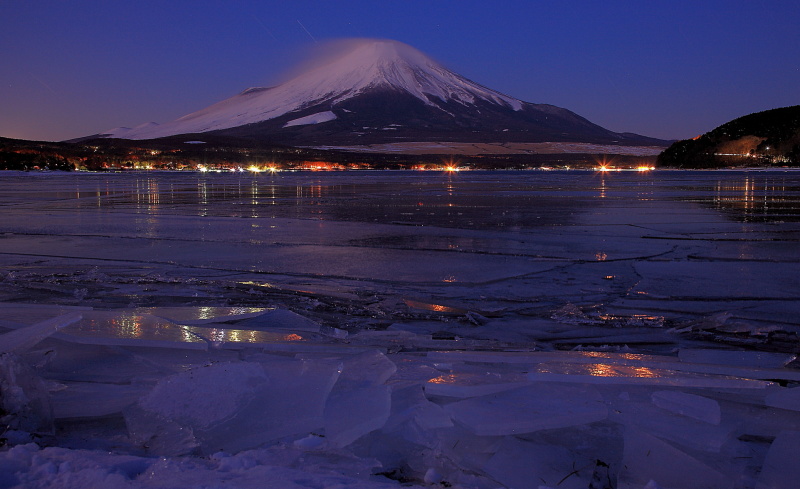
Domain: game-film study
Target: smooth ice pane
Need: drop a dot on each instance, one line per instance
(131, 328)
(280, 319)
(230, 338)
(697, 407)
(780, 469)
(537, 407)
(195, 316)
(24, 338)
(740, 358)
(463, 385)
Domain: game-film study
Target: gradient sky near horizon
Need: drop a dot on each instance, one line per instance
(671, 70)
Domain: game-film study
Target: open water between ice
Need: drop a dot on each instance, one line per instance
(474, 329)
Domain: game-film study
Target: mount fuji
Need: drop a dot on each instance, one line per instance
(381, 91)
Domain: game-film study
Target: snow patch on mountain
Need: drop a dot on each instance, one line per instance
(365, 65)
(317, 118)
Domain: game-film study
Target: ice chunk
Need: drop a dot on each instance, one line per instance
(784, 398)
(676, 428)
(279, 319)
(359, 402)
(780, 468)
(24, 400)
(646, 458)
(129, 327)
(365, 369)
(736, 357)
(527, 409)
(351, 414)
(463, 385)
(24, 338)
(198, 316)
(410, 404)
(697, 407)
(90, 399)
(524, 464)
(260, 403)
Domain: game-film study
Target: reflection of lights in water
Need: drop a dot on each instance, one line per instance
(444, 379)
(293, 337)
(598, 370)
(205, 312)
(128, 325)
(258, 284)
(187, 335)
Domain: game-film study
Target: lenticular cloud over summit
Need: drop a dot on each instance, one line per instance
(374, 90)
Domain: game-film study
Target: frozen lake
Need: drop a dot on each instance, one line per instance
(674, 244)
(421, 327)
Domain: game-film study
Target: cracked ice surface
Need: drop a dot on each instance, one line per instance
(477, 330)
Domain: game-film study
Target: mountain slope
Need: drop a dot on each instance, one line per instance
(771, 137)
(381, 91)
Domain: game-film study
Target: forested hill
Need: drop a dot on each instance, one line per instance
(769, 138)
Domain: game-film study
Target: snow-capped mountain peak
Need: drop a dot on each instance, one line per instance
(360, 65)
(373, 91)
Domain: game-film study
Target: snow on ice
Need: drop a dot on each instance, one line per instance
(552, 339)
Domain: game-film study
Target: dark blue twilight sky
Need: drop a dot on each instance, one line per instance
(663, 69)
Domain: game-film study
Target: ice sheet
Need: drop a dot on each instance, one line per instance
(537, 407)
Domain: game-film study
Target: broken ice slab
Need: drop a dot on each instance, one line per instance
(236, 339)
(604, 373)
(527, 409)
(352, 413)
(409, 404)
(466, 384)
(780, 468)
(279, 319)
(367, 369)
(611, 365)
(27, 337)
(739, 358)
(91, 400)
(24, 400)
(646, 458)
(436, 307)
(128, 327)
(784, 398)
(676, 428)
(433, 307)
(196, 316)
(697, 407)
(232, 406)
(243, 318)
(524, 464)
(15, 315)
